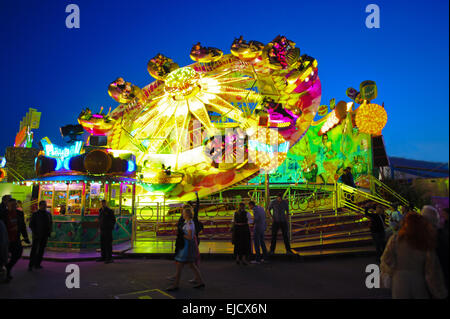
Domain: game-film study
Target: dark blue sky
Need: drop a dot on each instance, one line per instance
(59, 71)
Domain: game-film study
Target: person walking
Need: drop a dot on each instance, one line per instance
(198, 225)
(41, 227)
(179, 242)
(259, 216)
(410, 261)
(15, 226)
(377, 230)
(442, 240)
(188, 254)
(280, 212)
(106, 221)
(241, 234)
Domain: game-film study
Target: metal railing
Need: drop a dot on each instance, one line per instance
(377, 187)
(16, 175)
(216, 212)
(349, 197)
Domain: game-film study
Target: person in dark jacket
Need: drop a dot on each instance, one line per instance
(41, 227)
(106, 221)
(4, 207)
(377, 219)
(3, 249)
(347, 177)
(15, 225)
(241, 234)
(280, 213)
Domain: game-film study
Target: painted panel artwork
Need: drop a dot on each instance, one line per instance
(321, 158)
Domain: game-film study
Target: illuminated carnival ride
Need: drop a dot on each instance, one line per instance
(223, 121)
(219, 121)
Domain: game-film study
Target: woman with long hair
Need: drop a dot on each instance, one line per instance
(411, 262)
(241, 235)
(189, 253)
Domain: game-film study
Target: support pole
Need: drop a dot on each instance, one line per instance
(267, 191)
(133, 214)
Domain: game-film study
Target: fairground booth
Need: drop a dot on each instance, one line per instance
(73, 184)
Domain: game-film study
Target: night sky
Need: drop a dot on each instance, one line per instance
(59, 71)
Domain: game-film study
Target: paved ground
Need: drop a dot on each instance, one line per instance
(126, 278)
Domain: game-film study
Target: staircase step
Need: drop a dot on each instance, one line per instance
(347, 242)
(369, 249)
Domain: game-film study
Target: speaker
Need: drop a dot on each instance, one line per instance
(98, 140)
(118, 165)
(98, 162)
(76, 163)
(45, 165)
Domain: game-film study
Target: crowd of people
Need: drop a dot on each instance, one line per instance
(13, 229)
(189, 227)
(412, 249)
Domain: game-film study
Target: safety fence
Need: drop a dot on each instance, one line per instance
(317, 215)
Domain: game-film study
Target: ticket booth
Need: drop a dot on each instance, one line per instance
(75, 201)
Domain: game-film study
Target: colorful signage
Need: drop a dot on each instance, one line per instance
(24, 138)
(62, 154)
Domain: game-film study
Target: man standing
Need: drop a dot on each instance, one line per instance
(259, 217)
(280, 214)
(4, 245)
(395, 219)
(15, 225)
(4, 207)
(377, 219)
(106, 221)
(3, 249)
(41, 227)
(347, 177)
